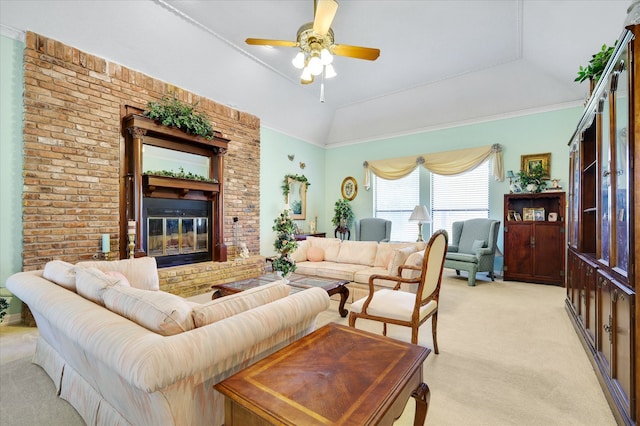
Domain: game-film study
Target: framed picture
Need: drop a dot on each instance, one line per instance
(511, 215)
(553, 217)
(516, 216)
(527, 213)
(349, 188)
(527, 162)
(538, 214)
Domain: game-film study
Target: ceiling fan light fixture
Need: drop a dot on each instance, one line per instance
(306, 75)
(315, 64)
(298, 61)
(329, 71)
(325, 57)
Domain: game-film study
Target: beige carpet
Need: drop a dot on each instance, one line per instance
(508, 356)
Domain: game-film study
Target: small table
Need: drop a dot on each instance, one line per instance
(335, 375)
(298, 282)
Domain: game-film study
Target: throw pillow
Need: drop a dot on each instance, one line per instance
(142, 272)
(224, 307)
(160, 312)
(477, 245)
(123, 280)
(300, 253)
(315, 254)
(61, 273)
(398, 258)
(91, 283)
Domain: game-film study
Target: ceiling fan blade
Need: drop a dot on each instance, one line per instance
(324, 14)
(357, 52)
(267, 42)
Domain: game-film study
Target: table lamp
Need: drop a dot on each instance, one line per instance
(421, 215)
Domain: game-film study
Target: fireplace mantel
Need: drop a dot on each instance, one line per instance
(136, 185)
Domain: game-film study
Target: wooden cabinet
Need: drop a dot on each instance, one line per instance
(603, 227)
(534, 249)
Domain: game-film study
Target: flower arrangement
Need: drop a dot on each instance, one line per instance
(3, 307)
(285, 243)
(532, 180)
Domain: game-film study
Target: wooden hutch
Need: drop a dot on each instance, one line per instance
(604, 227)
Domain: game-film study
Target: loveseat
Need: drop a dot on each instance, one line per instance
(123, 352)
(356, 261)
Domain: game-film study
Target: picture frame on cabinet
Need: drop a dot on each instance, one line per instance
(511, 215)
(517, 217)
(553, 217)
(527, 214)
(538, 214)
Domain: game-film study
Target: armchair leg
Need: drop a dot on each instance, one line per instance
(471, 282)
(434, 331)
(458, 272)
(492, 276)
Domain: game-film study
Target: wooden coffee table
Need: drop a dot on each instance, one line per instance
(336, 375)
(298, 282)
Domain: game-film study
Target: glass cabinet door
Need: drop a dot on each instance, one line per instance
(605, 179)
(574, 193)
(620, 146)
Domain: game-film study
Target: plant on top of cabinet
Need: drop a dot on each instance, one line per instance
(596, 65)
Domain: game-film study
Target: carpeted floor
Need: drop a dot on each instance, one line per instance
(508, 356)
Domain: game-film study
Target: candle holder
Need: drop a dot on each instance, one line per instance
(132, 245)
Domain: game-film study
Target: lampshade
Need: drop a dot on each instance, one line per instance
(315, 65)
(510, 174)
(306, 74)
(298, 61)
(329, 72)
(325, 57)
(420, 214)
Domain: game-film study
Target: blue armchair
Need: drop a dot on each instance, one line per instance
(373, 229)
(473, 247)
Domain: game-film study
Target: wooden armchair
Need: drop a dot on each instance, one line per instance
(395, 306)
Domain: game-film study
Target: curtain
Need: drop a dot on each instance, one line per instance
(442, 163)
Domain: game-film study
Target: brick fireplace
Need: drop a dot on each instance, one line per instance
(75, 171)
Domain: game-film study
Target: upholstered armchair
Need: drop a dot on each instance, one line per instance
(373, 229)
(473, 247)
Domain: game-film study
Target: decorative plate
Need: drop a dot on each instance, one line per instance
(349, 188)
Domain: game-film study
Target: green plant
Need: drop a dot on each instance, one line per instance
(285, 243)
(286, 188)
(180, 174)
(3, 308)
(171, 112)
(535, 176)
(342, 214)
(596, 65)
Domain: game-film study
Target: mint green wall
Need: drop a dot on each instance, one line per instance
(274, 165)
(531, 134)
(11, 87)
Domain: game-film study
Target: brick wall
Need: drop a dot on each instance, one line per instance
(73, 146)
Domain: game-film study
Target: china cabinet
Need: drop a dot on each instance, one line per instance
(603, 226)
(534, 237)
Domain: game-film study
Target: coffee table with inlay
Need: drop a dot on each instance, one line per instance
(298, 282)
(336, 375)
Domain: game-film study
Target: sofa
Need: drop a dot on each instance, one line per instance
(123, 352)
(356, 261)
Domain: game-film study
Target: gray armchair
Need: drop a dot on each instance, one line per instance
(473, 247)
(373, 229)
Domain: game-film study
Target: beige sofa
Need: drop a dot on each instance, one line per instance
(356, 261)
(123, 352)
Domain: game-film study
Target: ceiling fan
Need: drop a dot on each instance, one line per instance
(316, 42)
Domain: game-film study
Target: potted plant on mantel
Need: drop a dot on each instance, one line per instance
(285, 244)
(342, 215)
(533, 180)
(171, 112)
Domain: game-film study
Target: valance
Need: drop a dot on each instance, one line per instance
(442, 163)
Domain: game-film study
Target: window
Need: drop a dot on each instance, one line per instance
(460, 197)
(394, 200)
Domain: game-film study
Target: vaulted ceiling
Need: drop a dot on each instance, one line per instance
(442, 63)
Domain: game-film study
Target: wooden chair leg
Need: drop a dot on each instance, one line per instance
(384, 328)
(434, 331)
(352, 320)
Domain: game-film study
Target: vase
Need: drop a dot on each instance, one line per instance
(284, 277)
(532, 187)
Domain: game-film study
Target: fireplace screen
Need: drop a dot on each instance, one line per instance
(177, 235)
